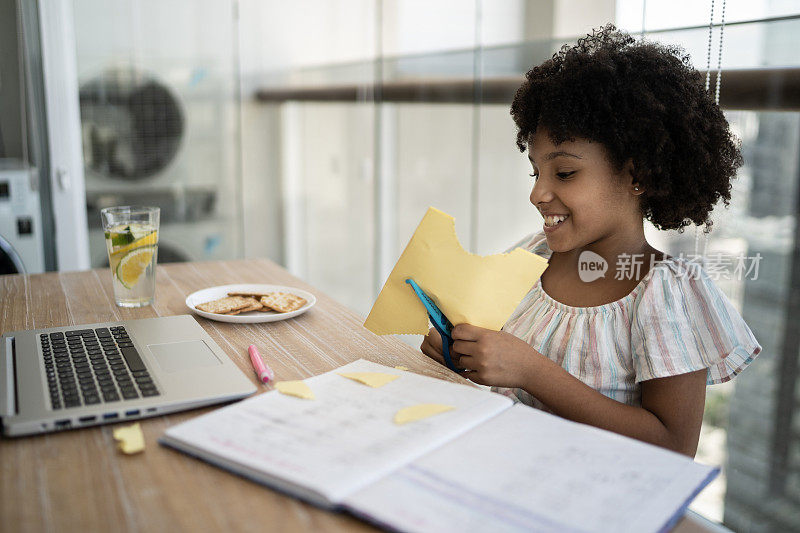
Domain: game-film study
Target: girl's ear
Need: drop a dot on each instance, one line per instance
(629, 172)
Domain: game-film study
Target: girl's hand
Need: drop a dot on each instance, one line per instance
(492, 357)
(432, 346)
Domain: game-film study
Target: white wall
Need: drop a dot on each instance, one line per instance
(663, 14)
(578, 17)
(277, 35)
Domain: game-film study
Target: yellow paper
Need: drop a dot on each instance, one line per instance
(468, 288)
(399, 367)
(130, 438)
(373, 379)
(418, 412)
(295, 388)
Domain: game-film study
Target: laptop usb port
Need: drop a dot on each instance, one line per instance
(110, 416)
(63, 423)
(87, 418)
(132, 412)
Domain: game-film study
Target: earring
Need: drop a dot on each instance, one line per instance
(636, 188)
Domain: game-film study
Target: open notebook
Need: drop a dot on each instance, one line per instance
(486, 465)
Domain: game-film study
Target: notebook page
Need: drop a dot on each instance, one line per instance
(342, 440)
(525, 470)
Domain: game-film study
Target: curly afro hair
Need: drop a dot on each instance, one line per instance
(644, 102)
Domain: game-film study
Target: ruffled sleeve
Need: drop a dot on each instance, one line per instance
(535, 243)
(682, 322)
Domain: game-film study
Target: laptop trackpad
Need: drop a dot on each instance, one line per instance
(182, 356)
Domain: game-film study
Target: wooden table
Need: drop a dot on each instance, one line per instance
(78, 481)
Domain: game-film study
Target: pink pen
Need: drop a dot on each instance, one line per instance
(264, 372)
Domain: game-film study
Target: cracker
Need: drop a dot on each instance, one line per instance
(254, 307)
(226, 305)
(283, 302)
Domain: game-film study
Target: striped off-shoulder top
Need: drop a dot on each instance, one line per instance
(675, 321)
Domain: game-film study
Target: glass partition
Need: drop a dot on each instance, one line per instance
(159, 108)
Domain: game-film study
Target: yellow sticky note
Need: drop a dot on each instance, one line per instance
(295, 388)
(400, 367)
(468, 288)
(373, 379)
(420, 411)
(130, 438)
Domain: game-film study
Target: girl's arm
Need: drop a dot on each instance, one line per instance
(671, 411)
(670, 415)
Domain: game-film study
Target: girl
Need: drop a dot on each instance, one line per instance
(617, 131)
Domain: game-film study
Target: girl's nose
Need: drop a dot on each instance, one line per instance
(540, 193)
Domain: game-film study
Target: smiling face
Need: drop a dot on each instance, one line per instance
(582, 197)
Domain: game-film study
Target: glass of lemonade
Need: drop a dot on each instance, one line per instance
(132, 243)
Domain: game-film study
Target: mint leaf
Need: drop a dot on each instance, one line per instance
(121, 239)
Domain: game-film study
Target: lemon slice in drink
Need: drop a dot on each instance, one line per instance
(133, 264)
(148, 240)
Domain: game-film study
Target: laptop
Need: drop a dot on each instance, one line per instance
(76, 376)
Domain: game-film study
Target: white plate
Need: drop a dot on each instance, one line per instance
(214, 293)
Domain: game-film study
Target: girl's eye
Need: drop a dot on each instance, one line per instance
(560, 175)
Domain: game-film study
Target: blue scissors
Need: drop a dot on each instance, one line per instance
(440, 322)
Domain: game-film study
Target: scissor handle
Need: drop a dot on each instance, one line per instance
(447, 342)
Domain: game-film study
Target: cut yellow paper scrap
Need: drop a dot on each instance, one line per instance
(295, 388)
(373, 379)
(130, 438)
(420, 411)
(401, 367)
(468, 288)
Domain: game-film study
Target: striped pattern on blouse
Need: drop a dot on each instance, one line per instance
(675, 321)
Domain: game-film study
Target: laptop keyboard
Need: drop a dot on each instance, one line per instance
(91, 366)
